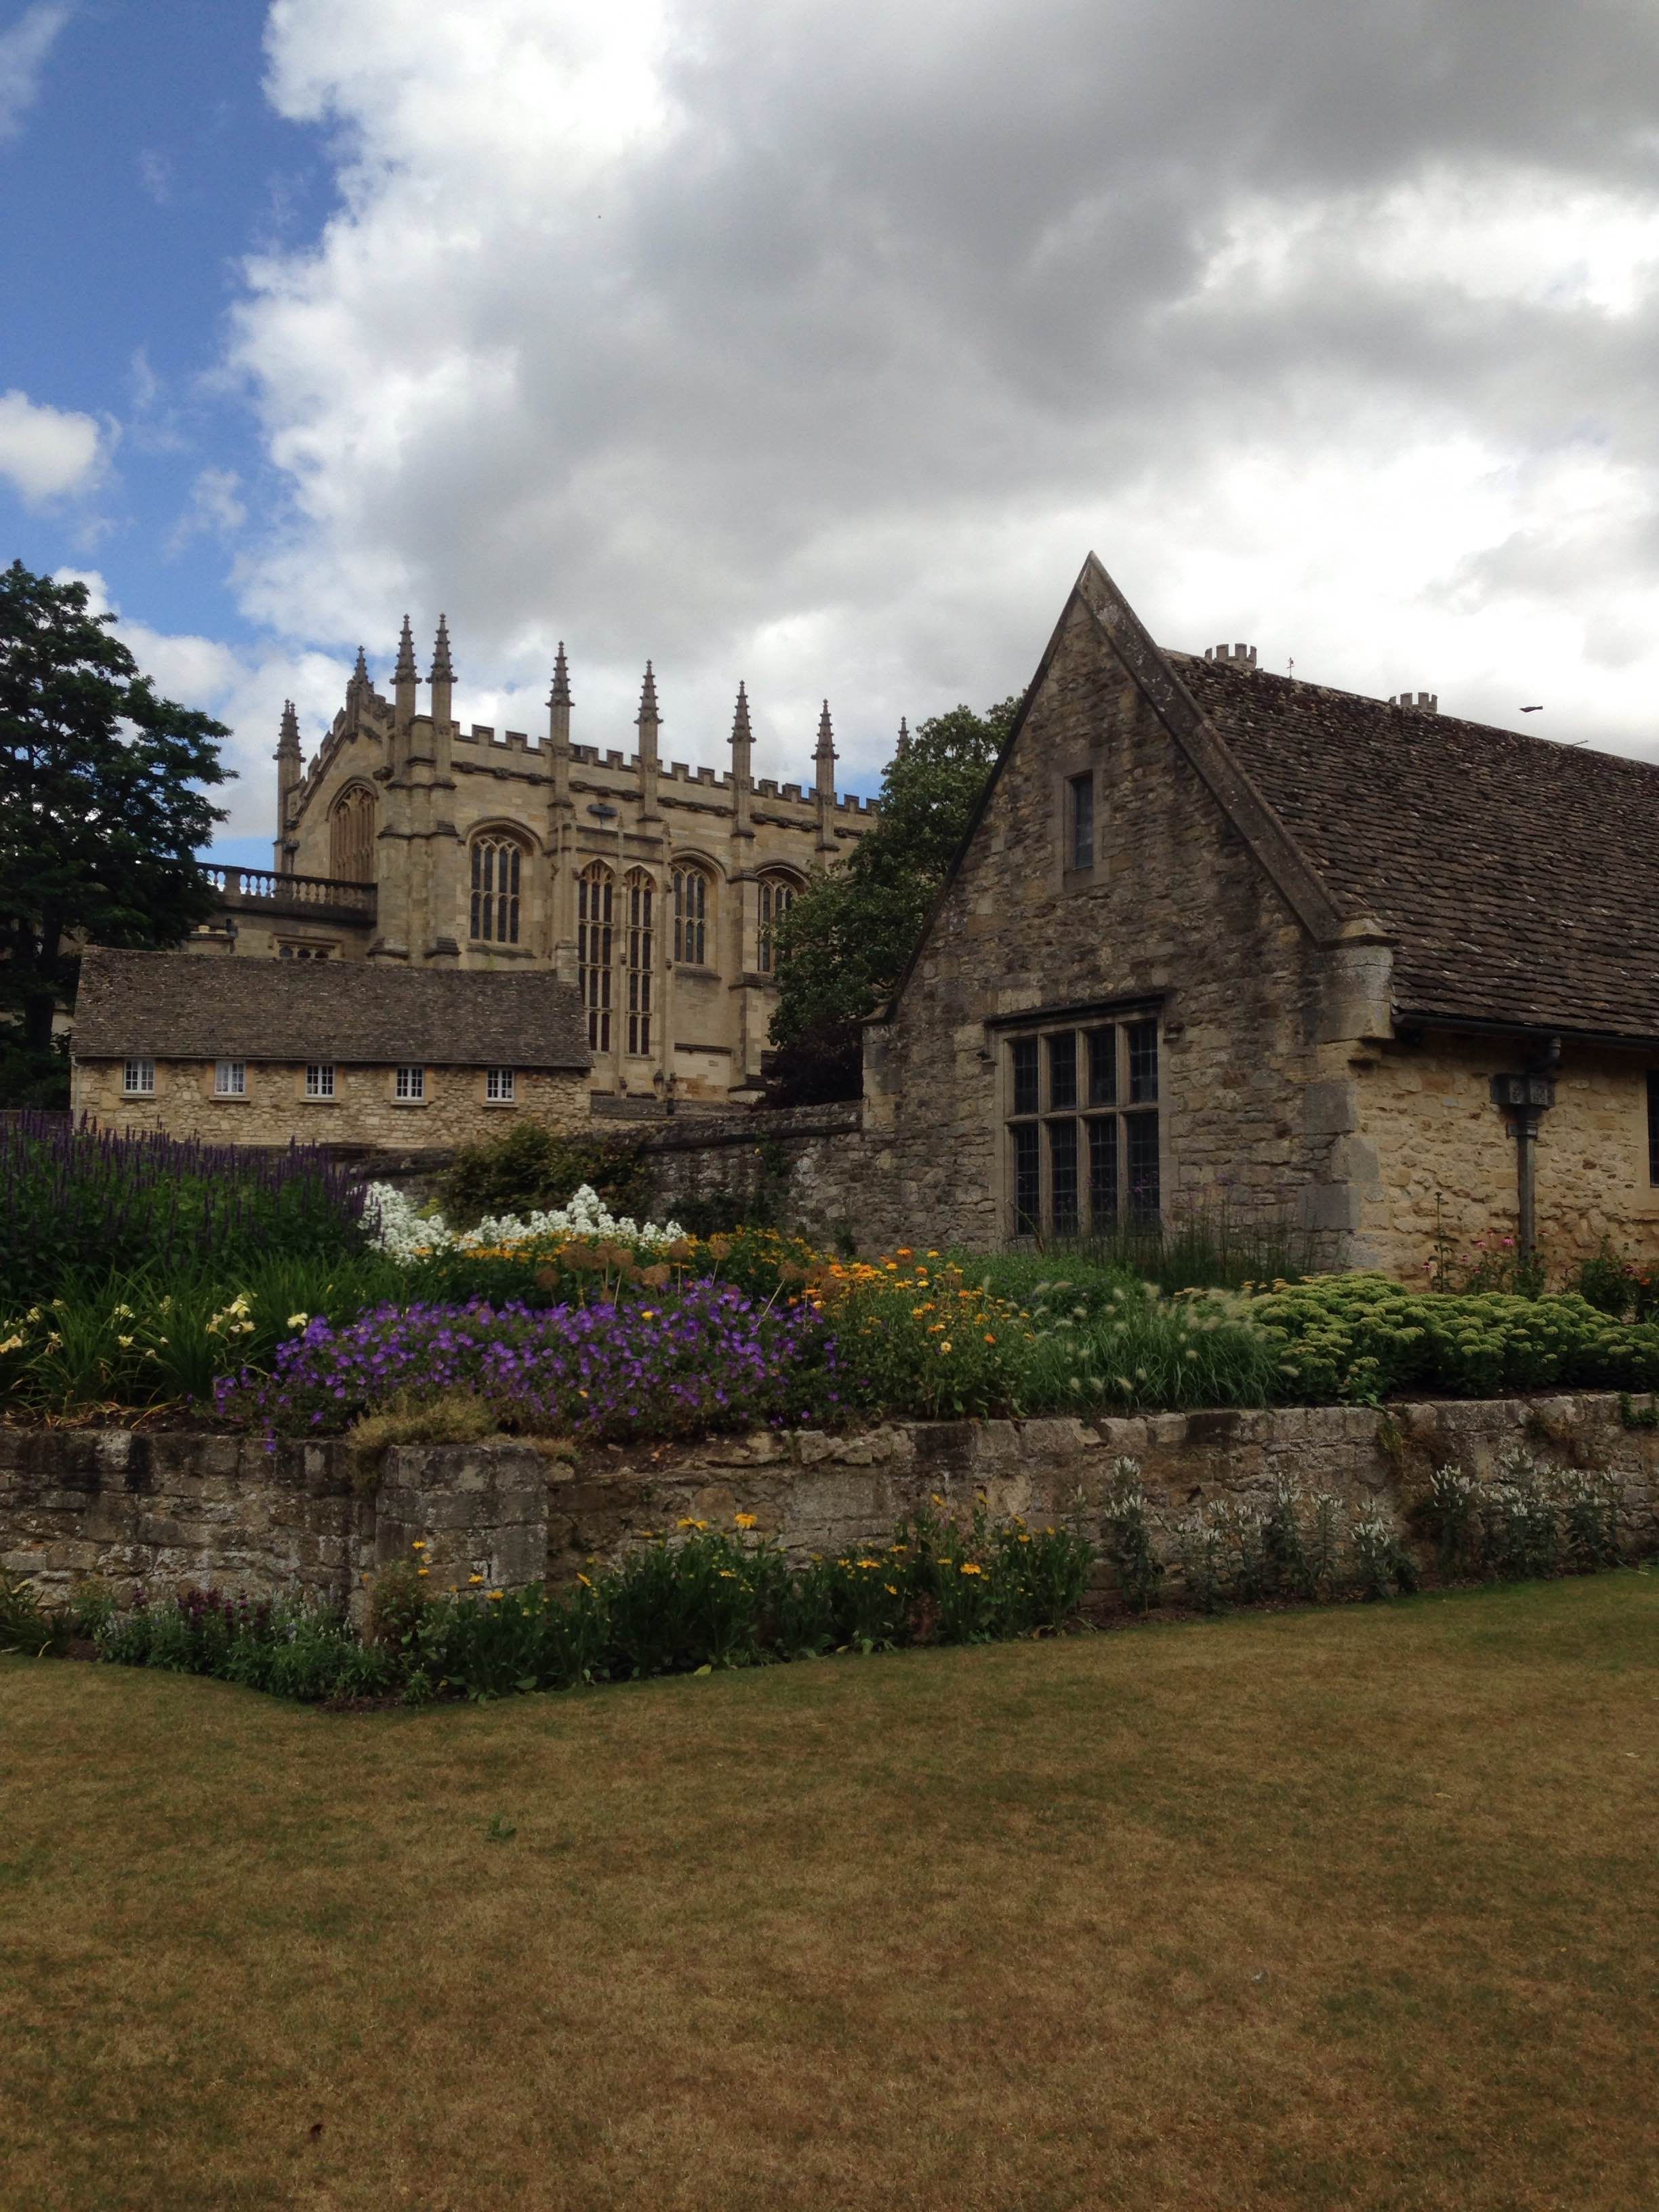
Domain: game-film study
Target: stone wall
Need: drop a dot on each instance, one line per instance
(1435, 1160)
(364, 1110)
(166, 1509)
(808, 1168)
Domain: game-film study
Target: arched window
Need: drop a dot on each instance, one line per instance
(691, 904)
(641, 896)
(497, 863)
(777, 896)
(351, 836)
(594, 888)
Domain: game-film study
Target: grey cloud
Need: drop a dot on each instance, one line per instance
(909, 296)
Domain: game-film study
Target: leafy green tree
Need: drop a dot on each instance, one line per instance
(101, 811)
(846, 941)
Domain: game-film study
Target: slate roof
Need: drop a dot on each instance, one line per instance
(1520, 876)
(199, 1006)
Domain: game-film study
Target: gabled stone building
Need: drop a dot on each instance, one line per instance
(412, 839)
(263, 1052)
(1217, 936)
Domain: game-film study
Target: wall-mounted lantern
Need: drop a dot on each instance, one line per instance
(1524, 1100)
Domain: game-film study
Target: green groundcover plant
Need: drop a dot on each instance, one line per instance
(684, 1603)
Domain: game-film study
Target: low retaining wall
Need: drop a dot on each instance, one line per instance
(165, 1509)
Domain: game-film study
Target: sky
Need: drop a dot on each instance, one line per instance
(817, 345)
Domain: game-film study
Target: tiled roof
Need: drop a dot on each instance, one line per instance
(1520, 876)
(202, 1006)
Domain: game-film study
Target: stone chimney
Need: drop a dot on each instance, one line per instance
(1422, 702)
(1232, 656)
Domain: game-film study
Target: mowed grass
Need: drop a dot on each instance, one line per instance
(1353, 1908)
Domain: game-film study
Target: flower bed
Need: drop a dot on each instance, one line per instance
(702, 1357)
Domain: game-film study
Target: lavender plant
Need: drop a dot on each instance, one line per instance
(78, 1203)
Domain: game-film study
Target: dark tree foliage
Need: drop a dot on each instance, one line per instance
(100, 815)
(845, 943)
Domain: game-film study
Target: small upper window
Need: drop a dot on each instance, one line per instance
(139, 1079)
(302, 951)
(1080, 821)
(319, 1081)
(498, 1084)
(230, 1079)
(411, 1083)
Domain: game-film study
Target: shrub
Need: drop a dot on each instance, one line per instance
(530, 1170)
(289, 1648)
(1357, 1337)
(1532, 1518)
(78, 1203)
(1301, 1544)
(1127, 1535)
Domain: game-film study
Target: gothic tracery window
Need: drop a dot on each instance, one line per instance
(777, 896)
(497, 865)
(641, 893)
(595, 891)
(351, 836)
(692, 904)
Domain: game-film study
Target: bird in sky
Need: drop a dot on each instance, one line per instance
(1532, 710)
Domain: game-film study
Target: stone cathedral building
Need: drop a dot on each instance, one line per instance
(413, 840)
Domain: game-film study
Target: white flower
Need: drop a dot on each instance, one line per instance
(406, 1234)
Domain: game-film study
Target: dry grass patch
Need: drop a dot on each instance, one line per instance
(1351, 1907)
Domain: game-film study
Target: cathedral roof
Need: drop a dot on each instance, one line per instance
(195, 1005)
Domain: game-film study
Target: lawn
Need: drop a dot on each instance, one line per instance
(1351, 1907)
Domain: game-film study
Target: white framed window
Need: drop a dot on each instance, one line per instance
(230, 1079)
(319, 1080)
(138, 1079)
(498, 1086)
(411, 1083)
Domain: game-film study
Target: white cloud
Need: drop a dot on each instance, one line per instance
(215, 508)
(820, 356)
(45, 452)
(243, 688)
(25, 47)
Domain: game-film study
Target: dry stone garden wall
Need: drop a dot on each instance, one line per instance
(167, 1510)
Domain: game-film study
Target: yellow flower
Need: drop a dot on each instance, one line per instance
(125, 1342)
(648, 1313)
(685, 1524)
(419, 1545)
(891, 1589)
(495, 1596)
(423, 1571)
(475, 1578)
(12, 1343)
(968, 1568)
(1025, 1538)
(298, 1321)
(870, 1562)
(582, 1579)
(989, 1338)
(945, 1347)
(743, 1520)
(726, 1575)
(937, 1499)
